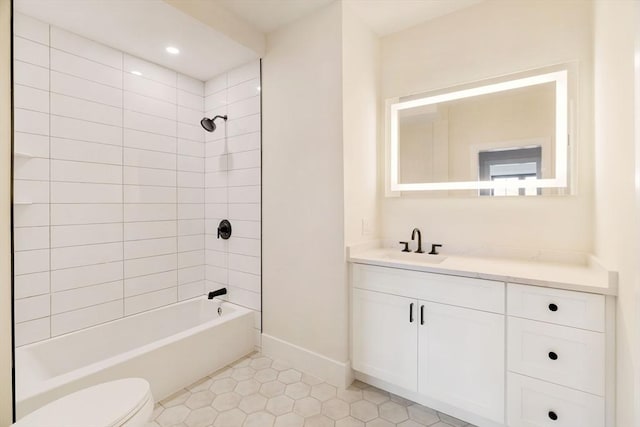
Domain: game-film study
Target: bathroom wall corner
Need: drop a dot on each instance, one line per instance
(615, 210)
(332, 371)
(232, 187)
(360, 122)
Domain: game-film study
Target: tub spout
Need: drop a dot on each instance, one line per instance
(217, 293)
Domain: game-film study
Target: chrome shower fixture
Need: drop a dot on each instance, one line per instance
(209, 124)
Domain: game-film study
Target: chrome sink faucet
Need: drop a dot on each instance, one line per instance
(413, 236)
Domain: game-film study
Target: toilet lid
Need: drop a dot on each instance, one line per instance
(104, 405)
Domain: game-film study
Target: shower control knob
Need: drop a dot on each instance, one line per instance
(224, 229)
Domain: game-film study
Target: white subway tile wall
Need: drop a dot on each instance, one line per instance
(31, 181)
(232, 186)
(111, 186)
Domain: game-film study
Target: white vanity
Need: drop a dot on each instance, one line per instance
(494, 342)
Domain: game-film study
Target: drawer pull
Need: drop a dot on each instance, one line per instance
(553, 355)
(553, 307)
(411, 313)
(553, 416)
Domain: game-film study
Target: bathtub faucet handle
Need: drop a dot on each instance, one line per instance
(217, 293)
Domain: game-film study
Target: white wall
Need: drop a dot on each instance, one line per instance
(114, 220)
(360, 91)
(486, 40)
(6, 344)
(615, 169)
(304, 269)
(232, 190)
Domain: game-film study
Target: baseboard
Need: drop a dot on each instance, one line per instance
(335, 373)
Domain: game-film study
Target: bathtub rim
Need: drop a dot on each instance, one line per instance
(62, 379)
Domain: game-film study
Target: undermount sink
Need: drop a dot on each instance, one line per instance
(414, 257)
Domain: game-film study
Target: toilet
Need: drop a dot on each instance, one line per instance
(121, 403)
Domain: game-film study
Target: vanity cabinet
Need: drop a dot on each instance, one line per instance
(407, 331)
(556, 357)
(493, 353)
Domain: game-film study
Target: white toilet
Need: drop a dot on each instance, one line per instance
(121, 403)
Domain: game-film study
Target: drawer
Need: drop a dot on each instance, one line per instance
(570, 308)
(535, 403)
(479, 294)
(567, 356)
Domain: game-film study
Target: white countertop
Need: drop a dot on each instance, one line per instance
(588, 277)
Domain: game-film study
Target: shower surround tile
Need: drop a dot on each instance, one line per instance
(232, 186)
(85, 68)
(76, 196)
(30, 28)
(85, 48)
(118, 188)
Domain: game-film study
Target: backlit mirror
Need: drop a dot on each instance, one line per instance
(503, 138)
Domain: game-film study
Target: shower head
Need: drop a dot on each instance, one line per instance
(209, 124)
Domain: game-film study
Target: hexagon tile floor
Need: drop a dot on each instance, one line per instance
(259, 392)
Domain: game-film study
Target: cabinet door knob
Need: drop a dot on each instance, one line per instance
(553, 307)
(553, 355)
(422, 314)
(411, 313)
(552, 415)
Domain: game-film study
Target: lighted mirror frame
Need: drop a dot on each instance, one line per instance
(561, 136)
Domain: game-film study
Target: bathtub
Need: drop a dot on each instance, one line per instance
(171, 347)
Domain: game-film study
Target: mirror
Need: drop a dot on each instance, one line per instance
(497, 139)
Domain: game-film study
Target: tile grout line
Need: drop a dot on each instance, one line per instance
(122, 187)
(125, 128)
(177, 202)
(204, 199)
(50, 236)
(226, 171)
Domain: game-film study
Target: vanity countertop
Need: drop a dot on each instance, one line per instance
(588, 277)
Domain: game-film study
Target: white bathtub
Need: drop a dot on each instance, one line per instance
(171, 347)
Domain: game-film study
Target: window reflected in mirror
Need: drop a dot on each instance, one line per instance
(510, 165)
(506, 138)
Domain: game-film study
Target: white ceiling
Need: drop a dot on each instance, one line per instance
(382, 16)
(390, 16)
(145, 27)
(269, 15)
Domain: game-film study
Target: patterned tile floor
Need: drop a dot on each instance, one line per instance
(260, 392)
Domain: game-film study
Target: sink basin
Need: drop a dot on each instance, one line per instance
(414, 257)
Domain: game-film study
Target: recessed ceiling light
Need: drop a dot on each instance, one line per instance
(136, 73)
(173, 50)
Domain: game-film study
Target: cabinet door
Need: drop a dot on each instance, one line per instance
(461, 358)
(385, 337)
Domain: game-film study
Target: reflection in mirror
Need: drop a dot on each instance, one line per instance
(511, 164)
(498, 139)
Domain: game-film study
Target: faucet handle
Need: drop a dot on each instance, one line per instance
(434, 249)
(406, 246)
